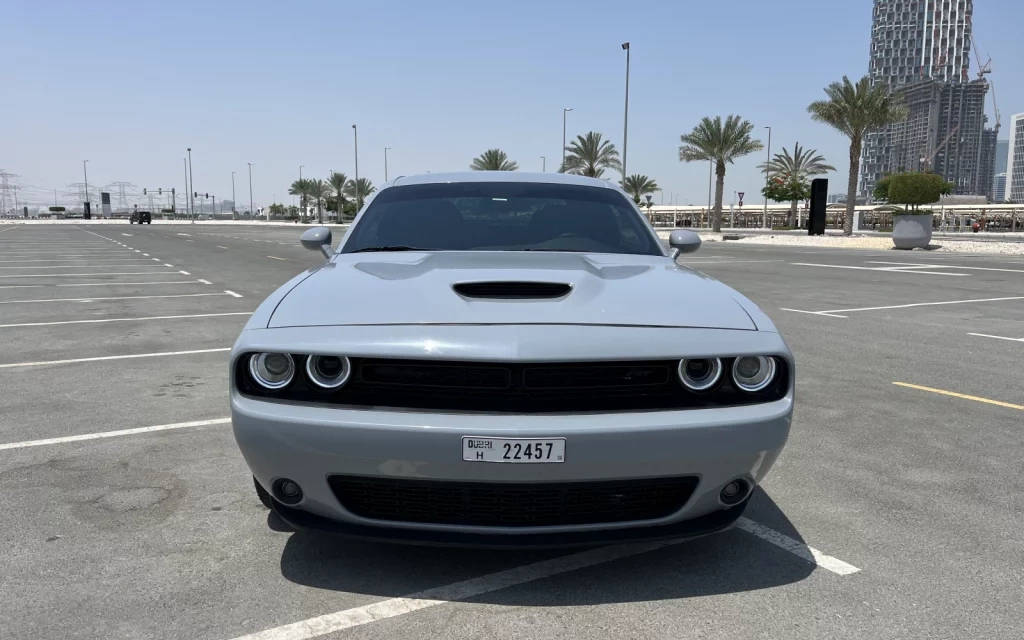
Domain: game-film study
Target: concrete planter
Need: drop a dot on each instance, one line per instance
(911, 232)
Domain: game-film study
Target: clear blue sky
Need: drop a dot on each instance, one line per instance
(130, 85)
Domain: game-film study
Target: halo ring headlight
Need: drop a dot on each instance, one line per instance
(328, 372)
(753, 373)
(272, 370)
(700, 374)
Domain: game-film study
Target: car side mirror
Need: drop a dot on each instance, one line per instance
(683, 241)
(319, 239)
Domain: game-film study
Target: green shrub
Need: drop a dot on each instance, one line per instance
(915, 189)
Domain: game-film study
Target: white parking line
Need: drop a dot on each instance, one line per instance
(220, 247)
(168, 265)
(135, 261)
(233, 294)
(985, 335)
(72, 266)
(205, 281)
(276, 258)
(185, 272)
(947, 266)
(833, 312)
(113, 434)
(104, 320)
(359, 616)
(81, 275)
(124, 357)
(116, 284)
(887, 269)
(797, 548)
(173, 295)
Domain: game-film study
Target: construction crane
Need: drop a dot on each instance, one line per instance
(928, 161)
(985, 68)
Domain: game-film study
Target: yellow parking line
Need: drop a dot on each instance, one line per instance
(961, 395)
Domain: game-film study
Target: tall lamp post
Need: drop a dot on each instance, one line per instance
(232, 192)
(191, 192)
(302, 199)
(85, 205)
(251, 210)
(766, 225)
(543, 164)
(187, 189)
(359, 191)
(386, 163)
(564, 111)
(625, 117)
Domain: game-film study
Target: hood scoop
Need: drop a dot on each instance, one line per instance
(512, 290)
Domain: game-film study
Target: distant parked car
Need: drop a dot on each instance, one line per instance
(142, 217)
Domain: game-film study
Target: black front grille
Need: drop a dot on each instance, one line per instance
(512, 505)
(512, 290)
(513, 387)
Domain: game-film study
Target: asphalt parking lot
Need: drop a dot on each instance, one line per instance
(895, 511)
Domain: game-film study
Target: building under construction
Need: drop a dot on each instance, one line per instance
(922, 48)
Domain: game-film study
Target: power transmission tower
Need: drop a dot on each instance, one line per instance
(122, 195)
(7, 191)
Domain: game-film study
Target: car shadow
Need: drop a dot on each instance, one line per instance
(729, 562)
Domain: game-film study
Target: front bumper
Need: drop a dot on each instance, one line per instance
(308, 444)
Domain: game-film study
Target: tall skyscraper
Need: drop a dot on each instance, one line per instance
(1002, 155)
(1015, 166)
(923, 48)
(999, 189)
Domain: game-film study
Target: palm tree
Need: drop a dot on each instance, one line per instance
(798, 167)
(493, 160)
(720, 143)
(318, 191)
(855, 110)
(337, 182)
(589, 156)
(359, 191)
(638, 186)
(300, 188)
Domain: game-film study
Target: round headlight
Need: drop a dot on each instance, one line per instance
(328, 372)
(272, 370)
(753, 373)
(700, 374)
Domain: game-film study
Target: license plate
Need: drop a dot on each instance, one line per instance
(514, 450)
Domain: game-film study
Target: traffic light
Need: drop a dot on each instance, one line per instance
(143, 191)
(195, 194)
(160, 192)
(206, 195)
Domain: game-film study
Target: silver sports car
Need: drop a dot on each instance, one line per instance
(508, 359)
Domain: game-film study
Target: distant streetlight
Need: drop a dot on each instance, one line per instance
(302, 200)
(187, 210)
(625, 118)
(564, 111)
(232, 192)
(191, 192)
(359, 191)
(386, 163)
(544, 164)
(252, 211)
(85, 205)
(766, 225)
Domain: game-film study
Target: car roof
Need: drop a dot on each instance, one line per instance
(500, 176)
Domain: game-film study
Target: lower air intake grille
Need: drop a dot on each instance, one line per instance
(512, 505)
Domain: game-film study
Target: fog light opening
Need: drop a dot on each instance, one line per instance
(735, 492)
(287, 491)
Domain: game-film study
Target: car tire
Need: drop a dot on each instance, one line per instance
(262, 494)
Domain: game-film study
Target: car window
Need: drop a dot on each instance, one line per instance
(502, 217)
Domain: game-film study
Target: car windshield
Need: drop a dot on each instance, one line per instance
(502, 216)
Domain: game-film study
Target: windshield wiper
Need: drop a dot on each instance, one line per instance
(390, 247)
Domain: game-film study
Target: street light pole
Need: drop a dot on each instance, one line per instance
(386, 163)
(562, 168)
(625, 118)
(302, 200)
(191, 192)
(766, 225)
(359, 191)
(711, 168)
(187, 189)
(85, 205)
(544, 164)
(232, 192)
(251, 210)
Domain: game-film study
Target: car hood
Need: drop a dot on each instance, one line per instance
(417, 288)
